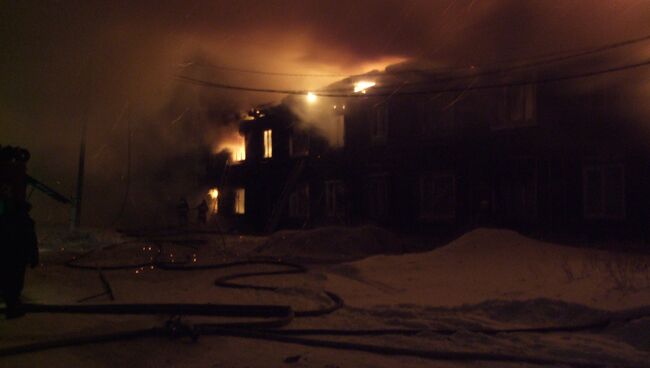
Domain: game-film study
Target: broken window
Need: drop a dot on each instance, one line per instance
(604, 192)
(335, 198)
(379, 127)
(268, 144)
(239, 150)
(299, 202)
(240, 201)
(437, 196)
(299, 144)
(517, 107)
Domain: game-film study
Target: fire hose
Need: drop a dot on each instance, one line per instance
(274, 317)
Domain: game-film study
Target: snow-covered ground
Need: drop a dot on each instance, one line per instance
(485, 279)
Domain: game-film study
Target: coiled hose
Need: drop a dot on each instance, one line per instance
(276, 317)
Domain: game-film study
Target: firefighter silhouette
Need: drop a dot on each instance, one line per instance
(18, 248)
(182, 211)
(202, 211)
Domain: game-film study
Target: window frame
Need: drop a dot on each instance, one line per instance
(437, 116)
(339, 131)
(380, 123)
(267, 140)
(527, 94)
(333, 188)
(292, 144)
(602, 212)
(239, 201)
(429, 214)
(372, 198)
(298, 209)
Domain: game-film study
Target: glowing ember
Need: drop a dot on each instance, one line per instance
(311, 97)
(362, 86)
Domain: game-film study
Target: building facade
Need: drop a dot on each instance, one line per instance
(527, 156)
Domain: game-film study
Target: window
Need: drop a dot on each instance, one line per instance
(437, 196)
(339, 131)
(604, 192)
(517, 107)
(437, 115)
(240, 201)
(377, 197)
(239, 150)
(268, 144)
(379, 128)
(299, 144)
(335, 198)
(299, 202)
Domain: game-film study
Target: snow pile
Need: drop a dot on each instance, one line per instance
(329, 244)
(57, 238)
(635, 333)
(488, 264)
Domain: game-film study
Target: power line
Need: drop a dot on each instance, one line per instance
(524, 63)
(261, 72)
(540, 62)
(325, 93)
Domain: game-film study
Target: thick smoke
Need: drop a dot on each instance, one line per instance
(114, 65)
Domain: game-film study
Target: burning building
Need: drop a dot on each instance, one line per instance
(531, 155)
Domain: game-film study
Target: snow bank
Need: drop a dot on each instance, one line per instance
(488, 264)
(331, 244)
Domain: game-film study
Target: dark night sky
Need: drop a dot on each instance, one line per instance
(115, 62)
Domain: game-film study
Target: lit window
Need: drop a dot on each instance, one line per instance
(214, 198)
(239, 150)
(240, 201)
(268, 144)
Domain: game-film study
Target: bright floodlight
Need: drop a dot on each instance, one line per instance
(361, 86)
(311, 97)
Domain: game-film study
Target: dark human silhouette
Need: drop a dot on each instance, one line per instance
(202, 211)
(182, 210)
(18, 248)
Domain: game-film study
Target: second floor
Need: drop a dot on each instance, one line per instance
(527, 117)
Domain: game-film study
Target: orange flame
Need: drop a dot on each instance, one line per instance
(236, 145)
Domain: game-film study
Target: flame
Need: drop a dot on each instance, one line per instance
(239, 153)
(214, 196)
(214, 193)
(362, 86)
(311, 97)
(236, 144)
